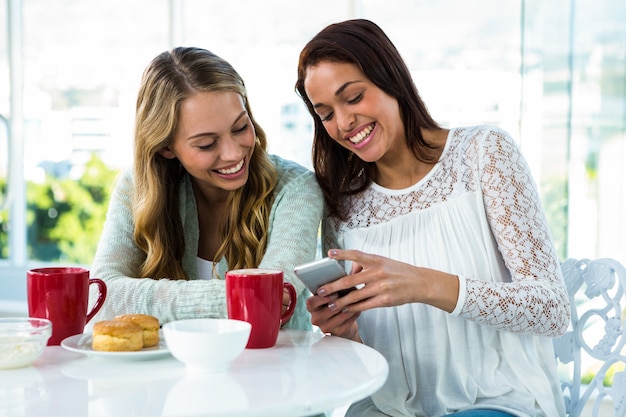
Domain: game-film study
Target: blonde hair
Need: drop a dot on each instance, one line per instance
(172, 77)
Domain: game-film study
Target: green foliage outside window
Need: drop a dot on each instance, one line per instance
(609, 377)
(65, 216)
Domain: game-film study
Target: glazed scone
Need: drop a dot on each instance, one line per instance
(117, 336)
(149, 324)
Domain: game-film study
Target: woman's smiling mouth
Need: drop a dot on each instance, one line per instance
(233, 170)
(362, 135)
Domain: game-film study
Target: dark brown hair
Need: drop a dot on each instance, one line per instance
(362, 43)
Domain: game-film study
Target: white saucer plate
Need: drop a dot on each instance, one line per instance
(81, 343)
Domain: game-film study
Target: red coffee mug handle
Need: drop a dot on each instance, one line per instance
(292, 303)
(102, 288)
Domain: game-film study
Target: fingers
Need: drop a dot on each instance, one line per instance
(381, 282)
(348, 328)
(330, 321)
(286, 298)
(346, 254)
(357, 258)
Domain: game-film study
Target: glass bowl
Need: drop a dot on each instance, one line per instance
(22, 340)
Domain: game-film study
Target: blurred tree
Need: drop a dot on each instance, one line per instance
(65, 217)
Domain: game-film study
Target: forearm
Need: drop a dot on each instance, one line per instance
(165, 299)
(441, 291)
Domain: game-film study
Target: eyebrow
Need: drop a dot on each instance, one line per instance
(338, 92)
(203, 134)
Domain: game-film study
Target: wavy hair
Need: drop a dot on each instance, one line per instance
(171, 78)
(362, 43)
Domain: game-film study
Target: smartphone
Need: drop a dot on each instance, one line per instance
(317, 273)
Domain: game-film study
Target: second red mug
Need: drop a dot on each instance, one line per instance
(61, 295)
(255, 295)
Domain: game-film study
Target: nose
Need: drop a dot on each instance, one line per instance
(346, 120)
(230, 149)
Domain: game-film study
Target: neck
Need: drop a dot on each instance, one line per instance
(213, 197)
(401, 169)
(401, 174)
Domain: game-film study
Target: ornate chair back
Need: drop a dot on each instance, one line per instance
(591, 355)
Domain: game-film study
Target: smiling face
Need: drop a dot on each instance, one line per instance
(214, 141)
(354, 111)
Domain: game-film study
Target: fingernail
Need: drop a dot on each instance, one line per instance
(321, 291)
(332, 306)
(333, 252)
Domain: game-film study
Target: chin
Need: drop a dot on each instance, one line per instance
(369, 156)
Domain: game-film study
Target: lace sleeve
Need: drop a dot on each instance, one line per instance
(535, 301)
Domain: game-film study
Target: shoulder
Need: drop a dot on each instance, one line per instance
(125, 177)
(124, 183)
(286, 168)
(481, 140)
(291, 173)
(479, 133)
(297, 189)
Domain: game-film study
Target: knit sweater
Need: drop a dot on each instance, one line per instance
(293, 239)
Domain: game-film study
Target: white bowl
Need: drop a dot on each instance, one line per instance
(207, 345)
(22, 340)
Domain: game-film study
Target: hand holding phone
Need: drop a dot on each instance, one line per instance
(317, 273)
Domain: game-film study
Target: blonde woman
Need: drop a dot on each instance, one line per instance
(204, 197)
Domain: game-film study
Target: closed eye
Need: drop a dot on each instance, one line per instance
(207, 147)
(242, 129)
(351, 101)
(356, 99)
(327, 117)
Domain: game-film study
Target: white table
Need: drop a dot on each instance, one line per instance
(305, 373)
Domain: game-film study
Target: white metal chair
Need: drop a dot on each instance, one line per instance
(596, 290)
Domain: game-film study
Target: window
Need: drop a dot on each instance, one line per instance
(551, 73)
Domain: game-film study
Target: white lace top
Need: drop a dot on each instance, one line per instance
(478, 215)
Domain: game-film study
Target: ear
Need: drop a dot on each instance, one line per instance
(167, 153)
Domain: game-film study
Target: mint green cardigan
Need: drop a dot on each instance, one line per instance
(293, 239)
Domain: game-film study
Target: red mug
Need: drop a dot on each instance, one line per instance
(255, 295)
(61, 295)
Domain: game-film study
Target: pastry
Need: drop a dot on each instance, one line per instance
(117, 336)
(149, 324)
